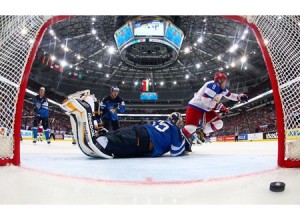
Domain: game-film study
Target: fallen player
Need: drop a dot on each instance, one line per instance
(150, 140)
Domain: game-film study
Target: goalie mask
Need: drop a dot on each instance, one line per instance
(176, 119)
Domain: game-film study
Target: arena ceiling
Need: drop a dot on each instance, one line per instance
(212, 43)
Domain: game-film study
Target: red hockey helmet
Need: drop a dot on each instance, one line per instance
(220, 77)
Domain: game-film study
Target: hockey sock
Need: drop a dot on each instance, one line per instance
(47, 134)
(35, 132)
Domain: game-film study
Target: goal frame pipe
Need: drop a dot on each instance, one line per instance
(277, 100)
(19, 106)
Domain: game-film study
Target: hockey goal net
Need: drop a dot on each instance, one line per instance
(278, 37)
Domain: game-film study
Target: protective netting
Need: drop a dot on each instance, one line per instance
(281, 34)
(17, 34)
(282, 39)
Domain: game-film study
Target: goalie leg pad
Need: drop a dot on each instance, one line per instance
(83, 126)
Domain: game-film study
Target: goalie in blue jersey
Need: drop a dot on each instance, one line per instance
(149, 140)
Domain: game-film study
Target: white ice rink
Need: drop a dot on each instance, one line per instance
(217, 173)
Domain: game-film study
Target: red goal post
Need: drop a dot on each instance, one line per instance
(278, 38)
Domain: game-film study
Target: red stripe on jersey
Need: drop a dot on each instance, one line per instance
(206, 96)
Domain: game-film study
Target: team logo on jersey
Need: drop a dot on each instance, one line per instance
(38, 105)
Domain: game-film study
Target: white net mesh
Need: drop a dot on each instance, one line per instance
(282, 39)
(17, 34)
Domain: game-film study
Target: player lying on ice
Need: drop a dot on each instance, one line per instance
(150, 140)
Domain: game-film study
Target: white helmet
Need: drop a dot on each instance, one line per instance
(176, 119)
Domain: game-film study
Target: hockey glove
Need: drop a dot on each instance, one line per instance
(221, 108)
(243, 98)
(113, 110)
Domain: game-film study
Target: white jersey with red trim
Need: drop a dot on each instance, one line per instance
(209, 95)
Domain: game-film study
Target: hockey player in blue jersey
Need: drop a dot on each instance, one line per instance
(41, 115)
(110, 106)
(149, 140)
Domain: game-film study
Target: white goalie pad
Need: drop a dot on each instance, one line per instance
(79, 108)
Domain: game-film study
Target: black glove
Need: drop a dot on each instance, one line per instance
(243, 98)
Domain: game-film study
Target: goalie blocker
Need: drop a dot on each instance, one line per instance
(135, 141)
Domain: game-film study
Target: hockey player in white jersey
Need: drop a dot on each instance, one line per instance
(202, 107)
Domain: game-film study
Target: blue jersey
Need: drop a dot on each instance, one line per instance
(109, 103)
(165, 137)
(41, 106)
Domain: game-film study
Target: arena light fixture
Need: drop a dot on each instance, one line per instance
(174, 82)
(93, 19)
(232, 64)
(63, 63)
(219, 57)
(123, 82)
(243, 59)
(187, 50)
(136, 83)
(162, 83)
(111, 50)
(94, 31)
(24, 31)
(200, 39)
(233, 48)
(198, 65)
(266, 41)
(187, 76)
(78, 57)
(107, 75)
(51, 32)
(53, 58)
(100, 65)
(204, 78)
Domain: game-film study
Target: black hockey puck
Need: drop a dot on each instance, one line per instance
(277, 186)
